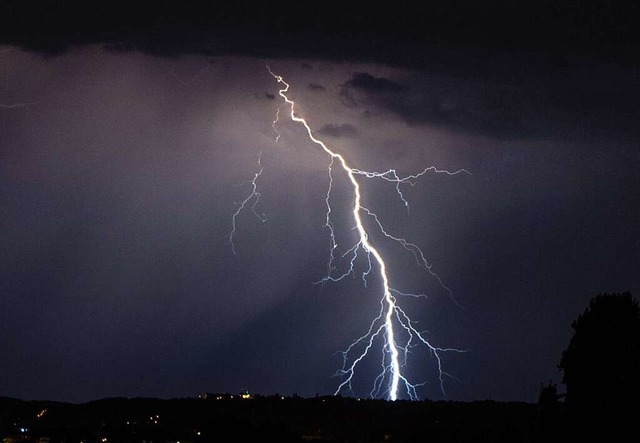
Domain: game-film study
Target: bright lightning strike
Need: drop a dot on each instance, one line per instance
(392, 325)
(391, 378)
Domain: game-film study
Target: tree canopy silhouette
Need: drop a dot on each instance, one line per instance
(601, 365)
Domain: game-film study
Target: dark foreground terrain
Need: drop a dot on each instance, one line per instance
(222, 417)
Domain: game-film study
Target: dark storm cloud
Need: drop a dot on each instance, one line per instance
(494, 68)
(378, 88)
(316, 87)
(373, 85)
(406, 34)
(491, 112)
(265, 96)
(540, 103)
(343, 130)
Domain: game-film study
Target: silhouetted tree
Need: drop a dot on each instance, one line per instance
(601, 366)
(549, 412)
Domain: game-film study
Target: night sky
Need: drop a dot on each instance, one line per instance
(128, 135)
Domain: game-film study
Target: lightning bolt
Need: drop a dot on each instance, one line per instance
(275, 123)
(254, 196)
(392, 325)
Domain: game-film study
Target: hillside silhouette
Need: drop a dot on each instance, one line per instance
(212, 417)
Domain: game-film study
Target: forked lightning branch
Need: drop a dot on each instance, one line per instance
(391, 331)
